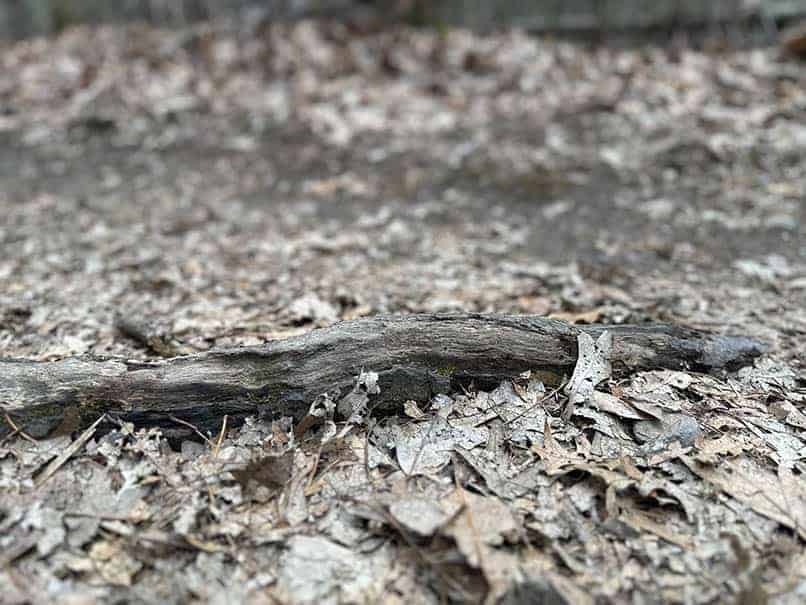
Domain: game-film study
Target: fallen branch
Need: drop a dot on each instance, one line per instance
(415, 356)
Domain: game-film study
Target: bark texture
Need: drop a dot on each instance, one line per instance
(416, 356)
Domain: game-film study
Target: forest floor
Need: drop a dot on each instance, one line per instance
(230, 187)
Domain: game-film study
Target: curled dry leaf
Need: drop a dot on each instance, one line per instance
(592, 367)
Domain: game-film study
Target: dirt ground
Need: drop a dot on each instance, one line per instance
(231, 187)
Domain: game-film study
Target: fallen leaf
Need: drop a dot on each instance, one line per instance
(781, 497)
(482, 522)
(592, 367)
(420, 515)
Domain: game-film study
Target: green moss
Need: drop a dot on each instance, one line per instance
(447, 371)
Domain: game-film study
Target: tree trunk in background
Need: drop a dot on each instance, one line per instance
(19, 18)
(560, 15)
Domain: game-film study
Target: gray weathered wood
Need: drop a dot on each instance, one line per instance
(416, 356)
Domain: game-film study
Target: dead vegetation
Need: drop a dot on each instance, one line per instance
(225, 188)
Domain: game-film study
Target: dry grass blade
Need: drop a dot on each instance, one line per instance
(220, 439)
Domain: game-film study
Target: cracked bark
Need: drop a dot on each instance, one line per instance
(416, 356)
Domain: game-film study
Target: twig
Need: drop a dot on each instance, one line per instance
(17, 430)
(68, 452)
(535, 404)
(193, 428)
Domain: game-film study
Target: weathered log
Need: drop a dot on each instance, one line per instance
(415, 356)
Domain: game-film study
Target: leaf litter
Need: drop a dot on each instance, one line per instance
(284, 177)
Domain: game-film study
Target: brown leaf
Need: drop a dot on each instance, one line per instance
(273, 472)
(781, 498)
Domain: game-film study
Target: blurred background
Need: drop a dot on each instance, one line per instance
(182, 175)
(20, 18)
(238, 170)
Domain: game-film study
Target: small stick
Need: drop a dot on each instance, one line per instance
(68, 452)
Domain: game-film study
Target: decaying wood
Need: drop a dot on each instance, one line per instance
(415, 356)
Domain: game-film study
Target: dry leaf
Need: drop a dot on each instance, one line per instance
(592, 367)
